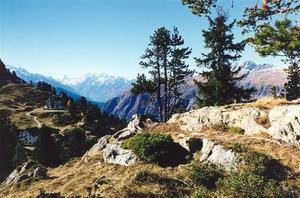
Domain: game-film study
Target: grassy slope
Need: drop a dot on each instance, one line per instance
(73, 178)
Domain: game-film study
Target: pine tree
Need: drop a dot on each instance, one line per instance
(274, 92)
(292, 86)
(282, 40)
(220, 82)
(179, 70)
(46, 151)
(165, 60)
(20, 155)
(155, 59)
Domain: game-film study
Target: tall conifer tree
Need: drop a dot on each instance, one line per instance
(164, 60)
(220, 82)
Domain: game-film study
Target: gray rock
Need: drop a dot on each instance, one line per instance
(98, 147)
(114, 154)
(11, 177)
(200, 119)
(217, 154)
(24, 173)
(285, 123)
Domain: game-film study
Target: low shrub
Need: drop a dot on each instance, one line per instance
(236, 130)
(238, 148)
(200, 193)
(151, 147)
(149, 177)
(205, 174)
(221, 126)
(249, 185)
(43, 194)
(264, 165)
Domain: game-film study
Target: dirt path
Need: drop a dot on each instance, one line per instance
(39, 125)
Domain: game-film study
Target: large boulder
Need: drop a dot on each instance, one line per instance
(205, 117)
(285, 123)
(217, 154)
(114, 154)
(98, 147)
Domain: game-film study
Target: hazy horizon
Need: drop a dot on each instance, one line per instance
(57, 38)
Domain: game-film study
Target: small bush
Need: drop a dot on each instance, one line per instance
(236, 130)
(263, 165)
(249, 185)
(205, 175)
(148, 177)
(238, 148)
(201, 193)
(43, 194)
(221, 126)
(151, 147)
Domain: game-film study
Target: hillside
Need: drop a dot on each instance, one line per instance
(260, 137)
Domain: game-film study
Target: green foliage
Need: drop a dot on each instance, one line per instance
(20, 155)
(143, 85)
(151, 147)
(165, 59)
(63, 119)
(292, 87)
(236, 130)
(282, 39)
(47, 151)
(7, 77)
(205, 174)
(200, 8)
(249, 185)
(149, 177)
(8, 139)
(43, 194)
(221, 126)
(274, 92)
(75, 143)
(263, 165)
(238, 148)
(220, 82)
(201, 192)
(255, 16)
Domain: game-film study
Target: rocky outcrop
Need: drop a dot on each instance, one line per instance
(114, 154)
(200, 119)
(27, 171)
(97, 148)
(217, 154)
(285, 123)
(112, 151)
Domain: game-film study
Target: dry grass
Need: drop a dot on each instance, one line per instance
(73, 178)
(267, 103)
(263, 121)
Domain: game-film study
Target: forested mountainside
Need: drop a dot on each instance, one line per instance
(262, 77)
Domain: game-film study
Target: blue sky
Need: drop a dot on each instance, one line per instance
(73, 37)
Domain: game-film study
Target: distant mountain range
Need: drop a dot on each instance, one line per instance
(98, 87)
(113, 92)
(260, 76)
(95, 87)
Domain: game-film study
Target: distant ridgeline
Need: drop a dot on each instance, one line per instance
(7, 77)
